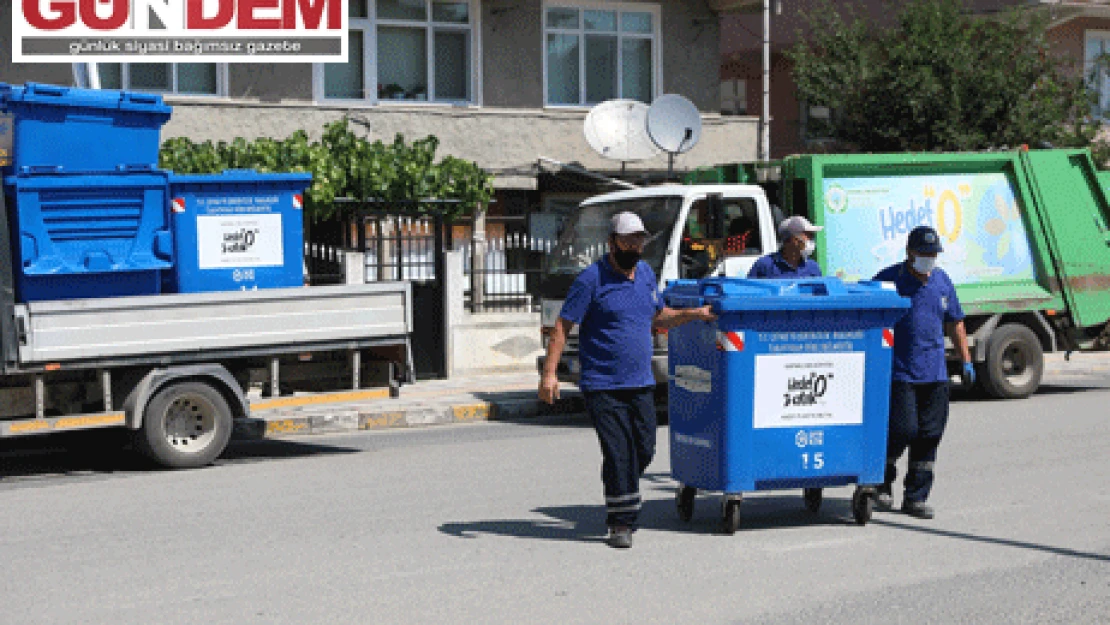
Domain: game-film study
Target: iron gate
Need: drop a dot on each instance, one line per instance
(406, 241)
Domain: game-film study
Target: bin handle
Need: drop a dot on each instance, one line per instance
(41, 89)
(135, 167)
(141, 98)
(821, 287)
(712, 289)
(40, 169)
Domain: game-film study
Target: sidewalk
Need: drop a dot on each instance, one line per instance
(504, 396)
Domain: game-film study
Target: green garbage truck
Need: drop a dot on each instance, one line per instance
(1025, 233)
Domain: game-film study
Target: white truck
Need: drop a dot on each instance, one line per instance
(695, 231)
(176, 369)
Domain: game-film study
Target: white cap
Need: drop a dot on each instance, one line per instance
(627, 223)
(796, 225)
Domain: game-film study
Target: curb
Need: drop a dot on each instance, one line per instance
(347, 418)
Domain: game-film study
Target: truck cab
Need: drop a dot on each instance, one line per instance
(695, 231)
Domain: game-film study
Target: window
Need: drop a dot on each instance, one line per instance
(1096, 63)
(172, 78)
(816, 122)
(698, 253)
(734, 97)
(593, 53)
(742, 228)
(415, 50)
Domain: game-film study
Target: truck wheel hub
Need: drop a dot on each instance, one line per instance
(190, 424)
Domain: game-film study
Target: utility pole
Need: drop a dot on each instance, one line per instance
(765, 118)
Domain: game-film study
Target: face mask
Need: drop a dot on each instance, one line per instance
(627, 259)
(807, 251)
(924, 265)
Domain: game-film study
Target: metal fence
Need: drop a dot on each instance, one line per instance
(400, 243)
(505, 275)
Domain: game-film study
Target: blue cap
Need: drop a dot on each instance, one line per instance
(924, 240)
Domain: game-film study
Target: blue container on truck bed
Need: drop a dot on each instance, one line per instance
(89, 235)
(239, 230)
(81, 130)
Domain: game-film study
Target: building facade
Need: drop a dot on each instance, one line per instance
(499, 82)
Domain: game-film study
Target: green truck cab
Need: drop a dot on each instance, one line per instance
(1025, 234)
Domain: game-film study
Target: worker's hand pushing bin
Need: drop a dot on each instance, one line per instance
(790, 388)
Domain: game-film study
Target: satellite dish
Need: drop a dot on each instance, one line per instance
(674, 124)
(617, 130)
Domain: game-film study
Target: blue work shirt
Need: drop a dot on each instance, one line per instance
(775, 266)
(614, 315)
(919, 335)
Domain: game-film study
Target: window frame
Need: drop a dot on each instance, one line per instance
(369, 27)
(619, 8)
(223, 80)
(1101, 84)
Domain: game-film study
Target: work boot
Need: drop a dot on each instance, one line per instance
(918, 509)
(884, 501)
(620, 537)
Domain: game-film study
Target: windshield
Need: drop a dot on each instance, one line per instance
(586, 236)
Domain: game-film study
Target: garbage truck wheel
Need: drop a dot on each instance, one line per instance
(684, 500)
(1015, 363)
(862, 505)
(731, 521)
(812, 497)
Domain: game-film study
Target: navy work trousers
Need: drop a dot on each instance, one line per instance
(625, 423)
(918, 416)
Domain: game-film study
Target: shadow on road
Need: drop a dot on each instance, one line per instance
(990, 540)
(586, 523)
(109, 452)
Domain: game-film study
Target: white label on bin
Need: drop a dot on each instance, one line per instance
(808, 390)
(231, 241)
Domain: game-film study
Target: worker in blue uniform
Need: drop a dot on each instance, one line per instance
(616, 302)
(919, 377)
(792, 260)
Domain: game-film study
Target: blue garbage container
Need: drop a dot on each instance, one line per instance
(788, 389)
(100, 130)
(239, 230)
(88, 235)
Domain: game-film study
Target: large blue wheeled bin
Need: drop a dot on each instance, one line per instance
(790, 388)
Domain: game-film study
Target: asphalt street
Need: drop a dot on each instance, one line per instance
(503, 523)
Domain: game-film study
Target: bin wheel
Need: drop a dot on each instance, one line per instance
(684, 501)
(812, 498)
(731, 521)
(862, 503)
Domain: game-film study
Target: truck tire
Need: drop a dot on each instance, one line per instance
(185, 425)
(1015, 363)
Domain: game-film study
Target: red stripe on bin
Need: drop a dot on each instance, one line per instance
(888, 337)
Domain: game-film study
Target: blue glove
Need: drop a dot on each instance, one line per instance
(968, 374)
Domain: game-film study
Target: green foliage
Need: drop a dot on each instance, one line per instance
(941, 79)
(343, 165)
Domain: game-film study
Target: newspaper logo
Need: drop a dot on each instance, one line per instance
(179, 31)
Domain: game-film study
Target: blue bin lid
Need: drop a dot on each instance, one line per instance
(241, 176)
(744, 294)
(37, 94)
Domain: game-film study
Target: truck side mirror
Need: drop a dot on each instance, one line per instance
(716, 215)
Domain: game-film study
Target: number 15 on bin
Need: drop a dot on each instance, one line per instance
(815, 461)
